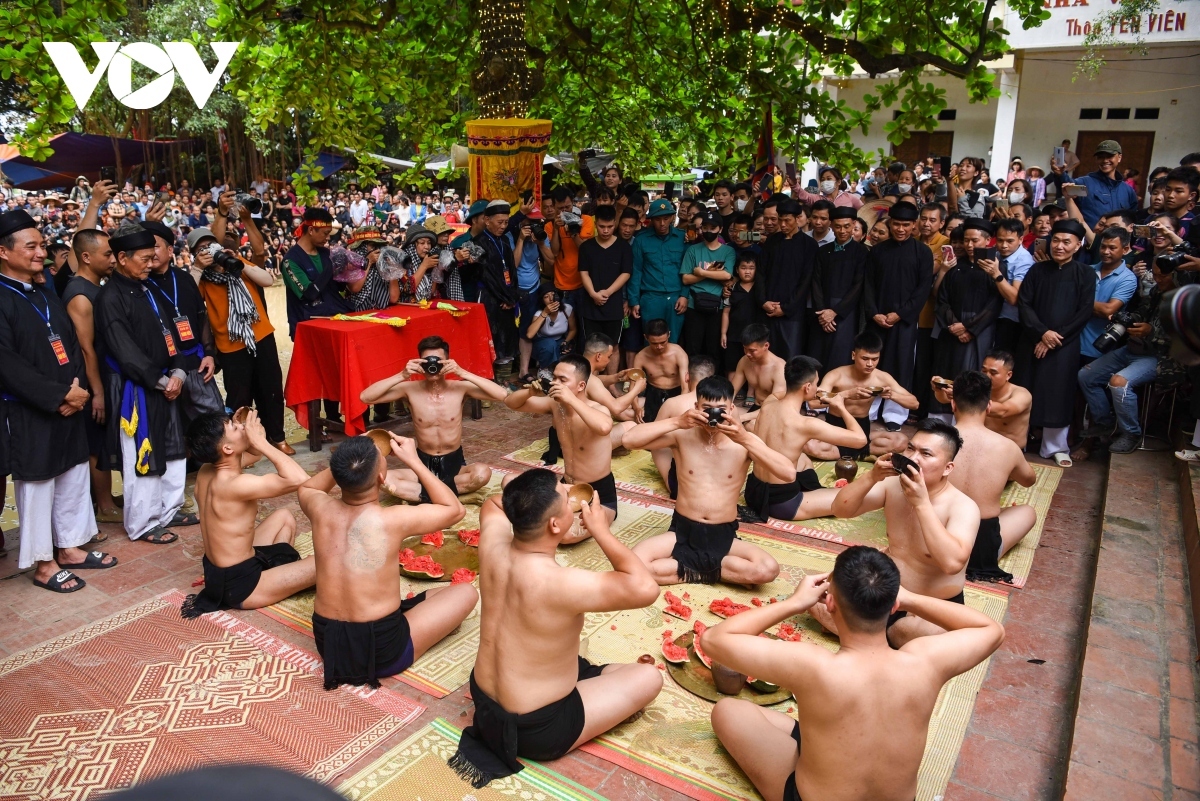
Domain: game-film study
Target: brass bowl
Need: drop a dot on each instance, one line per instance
(876, 391)
(382, 440)
(824, 395)
(635, 375)
(943, 383)
(578, 495)
(240, 415)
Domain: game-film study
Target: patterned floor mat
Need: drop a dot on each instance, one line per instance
(146, 693)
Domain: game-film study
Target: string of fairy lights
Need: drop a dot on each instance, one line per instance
(502, 36)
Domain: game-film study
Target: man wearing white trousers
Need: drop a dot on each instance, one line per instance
(147, 375)
(44, 386)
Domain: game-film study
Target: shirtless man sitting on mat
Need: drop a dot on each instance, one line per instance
(363, 628)
(982, 469)
(245, 566)
(759, 370)
(665, 365)
(700, 367)
(784, 428)
(535, 696)
(931, 524)
(864, 711)
(712, 452)
(583, 428)
(599, 350)
(864, 388)
(1009, 412)
(437, 406)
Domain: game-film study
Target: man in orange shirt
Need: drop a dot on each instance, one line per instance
(244, 337)
(565, 239)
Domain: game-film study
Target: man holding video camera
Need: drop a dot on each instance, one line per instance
(242, 334)
(1136, 350)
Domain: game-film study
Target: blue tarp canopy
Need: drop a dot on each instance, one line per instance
(328, 164)
(78, 154)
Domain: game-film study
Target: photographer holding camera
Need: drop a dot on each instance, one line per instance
(243, 336)
(1115, 285)
(1137, 352)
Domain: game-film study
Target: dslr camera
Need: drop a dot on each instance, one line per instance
(1170, 262)
(248, 202)
(1180, 315)
(572, 222)
(228, 262)
(1116, 333)
(432, 365)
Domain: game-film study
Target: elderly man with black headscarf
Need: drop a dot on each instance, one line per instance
(899, 279)
(1055, 301)
(148, 371)
(44, 388)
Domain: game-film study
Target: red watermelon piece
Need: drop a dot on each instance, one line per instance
(724, 607)
(672, 652)
(426, 565)
(698, 630)
(789, 632)
(756, 601)
(469, 536)
(464, 575)
(676, 607)
(407, 556)
(434, 538)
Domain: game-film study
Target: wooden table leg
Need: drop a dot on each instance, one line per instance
(315, 426)
(476, 409)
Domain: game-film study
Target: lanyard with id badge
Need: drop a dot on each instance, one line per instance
(182, 324)
(170, 340)
(56, 343)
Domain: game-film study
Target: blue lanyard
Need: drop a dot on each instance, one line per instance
(174, 296)
(45, 315)
(158, 315)
(499, 246)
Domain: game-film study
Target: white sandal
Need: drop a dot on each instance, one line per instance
(1063, 459)
(1188, 455)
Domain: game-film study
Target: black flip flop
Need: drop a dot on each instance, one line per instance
(56, 582)
(94, 561)
(185, 519)
(159, 536)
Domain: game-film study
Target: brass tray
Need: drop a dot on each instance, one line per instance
(451, 556)
(694, 677)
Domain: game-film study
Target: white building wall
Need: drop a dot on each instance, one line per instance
(1049, 102)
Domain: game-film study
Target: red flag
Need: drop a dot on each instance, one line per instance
(764, 159)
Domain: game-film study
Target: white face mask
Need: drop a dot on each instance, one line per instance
(741, 205)
(904, 188)
(1016, 197)
(827, 187)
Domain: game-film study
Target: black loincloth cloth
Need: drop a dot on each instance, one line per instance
(780, 501)
(858, 454)
(363, 653)
(606, 488)
(445, 467)
(490, 746)
(985, 554)
(655, 398)
(229, 587)
(700, 547)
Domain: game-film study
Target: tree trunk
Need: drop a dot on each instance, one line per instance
(504, 83)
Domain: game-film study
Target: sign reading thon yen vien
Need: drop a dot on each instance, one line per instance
(1072, 20)
(118, 60)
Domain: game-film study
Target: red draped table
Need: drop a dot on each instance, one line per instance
(337, 359)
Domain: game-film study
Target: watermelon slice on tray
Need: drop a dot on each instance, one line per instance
(676, 607)
(464, 575)
(434, 538)
(420, 564)
(789, 632)
(698, 630)
(724, 607)
(469, 536)
(671, 652)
